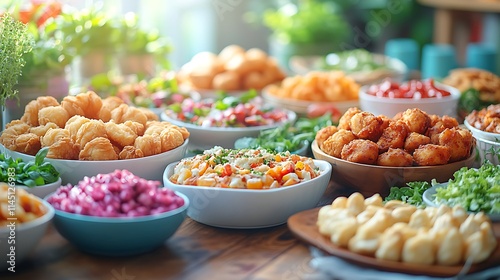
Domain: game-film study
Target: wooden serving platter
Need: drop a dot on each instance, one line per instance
(303, 225)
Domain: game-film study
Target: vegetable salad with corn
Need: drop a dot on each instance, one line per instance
(244, 169)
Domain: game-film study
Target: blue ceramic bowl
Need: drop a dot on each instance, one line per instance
(119, 236)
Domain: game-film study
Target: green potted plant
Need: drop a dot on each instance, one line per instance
(305, 27)
(142, 51)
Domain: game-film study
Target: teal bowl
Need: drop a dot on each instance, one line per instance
(122, 236)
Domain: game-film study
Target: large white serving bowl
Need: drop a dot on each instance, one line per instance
(244, 208)
(392, 106)
(202, 138)
(481, 134)
(27, 236)
(150, 168)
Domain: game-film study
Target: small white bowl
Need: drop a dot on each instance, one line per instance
(150, 168)
(27, 237)
(43, 190)
(202, 138)
(480, 134)
(392, 106)
(488, 150)
(243, 208)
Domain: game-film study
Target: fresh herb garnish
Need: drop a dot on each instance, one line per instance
(33, 173)
(412, 193)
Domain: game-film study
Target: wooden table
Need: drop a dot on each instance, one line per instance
(196, 251)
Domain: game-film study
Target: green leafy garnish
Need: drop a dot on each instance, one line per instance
(33, 173)
(471, 100)
(474, 189)
(411, 194)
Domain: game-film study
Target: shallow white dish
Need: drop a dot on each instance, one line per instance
(42, 191)
(480, 134)
(429, 194)
(243, 208)
(72, 171)
(202, 138)
(392, 106)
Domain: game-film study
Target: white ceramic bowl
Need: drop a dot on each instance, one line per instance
(72, 171)
(371, 179)
(202, 138)
(43, 190)
(27, 236)
(391, 106)
(396, 69)
(480, 134)
(243, 208)
(488, 150)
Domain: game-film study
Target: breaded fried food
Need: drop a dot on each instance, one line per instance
(360, 151)
(395, 157)
(416, 120)
(28, 143)
(365, 125)
(64, 148)
(53, 135)
(130, 152)
(170, 139)
(334, 144)
(431, 154)
(108, 104)
(438, 125)
(99, 148)
(345, 119)
(138, 128)
(120, 134)
(90, 130)
(148, 144)
(324, 133)
(30, 115)
(150, 115)
(73, 125)
(460, 142)
(393, 136)
(42, 129)
(87, 104)
(53, 114)
(11, 132)
(155, 127)
(415, 140)
(125, 113)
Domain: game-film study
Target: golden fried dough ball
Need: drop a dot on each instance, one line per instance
(431, 154)
(148, 144)
(393, 136)
(125, 113)
(53, 114)
(229, 51)
(184, 132)
(28, 143)
(130, 152)
(138, 128)
(414, 140)
(229, 81)
(42, 129)
(53, 135)
(64, 148)
(170, 139)
(360, 151)
(120, 134)
(11, 132)
(416, 120)
(90, 130)
(73, 125)
(324, 133)
(254, 80)
(333, 145)
(365, 125)
(438, 125)
(108, 104)
(150, 115)
(87, 104)
(345, 120)
(395, 157)
(459, 141)
(99, 148)
(30, 115)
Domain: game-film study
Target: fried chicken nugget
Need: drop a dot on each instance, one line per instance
(395, 157)
(99, 148)
(324, 133)
(125, 113)
(148, 144)
(42, 129)
(155, 127)
(365, 125)
(438, 125)
(11, 132)
(120, 134)
(170, 139)
(53, 114)
(64, 148)
(87, 104)
(28, 143)
(431, 154)
(345, 119)
(150, 115)
(414, 140)
(138, 128)
(73, 125)
(416, 120)
(459, 141)
(360, 151)
(30, 115)
(90, 130)
(108, 104)
(393, 136)
(130, 152)
(334, 144)
(53, 135)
